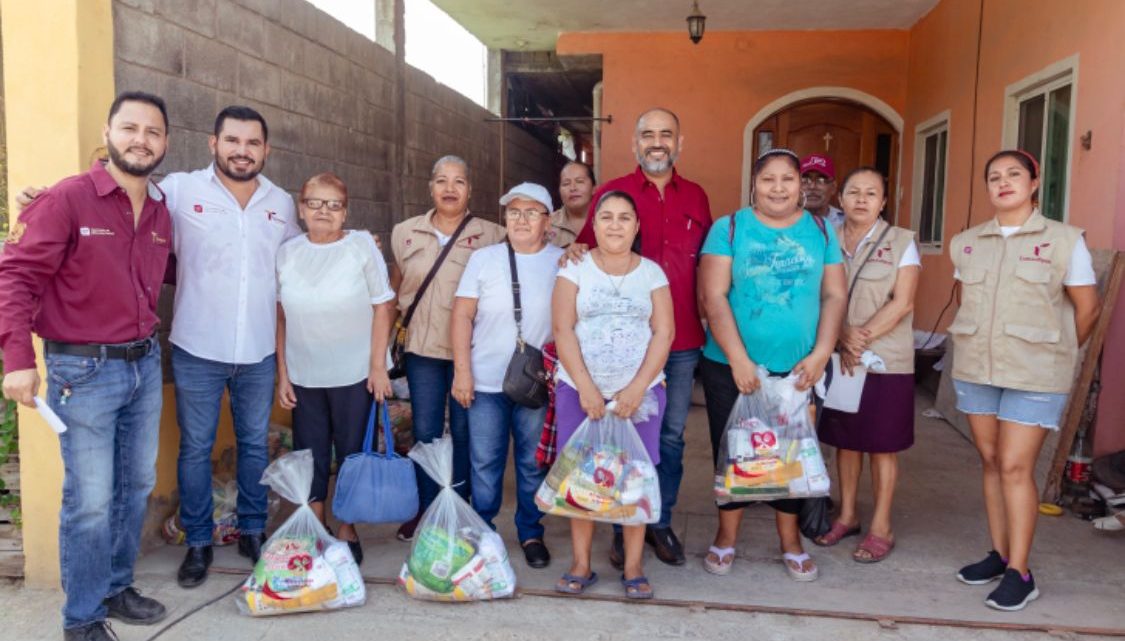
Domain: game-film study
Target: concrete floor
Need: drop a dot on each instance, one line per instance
(911, 595)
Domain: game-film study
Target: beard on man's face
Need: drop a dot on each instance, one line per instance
(653, 166)
(139, 169)
(228, 168)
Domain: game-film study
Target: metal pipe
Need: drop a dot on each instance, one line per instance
(608, 119)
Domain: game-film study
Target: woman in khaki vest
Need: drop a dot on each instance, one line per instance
(416, 243)
(1027, 298)
(882, 265)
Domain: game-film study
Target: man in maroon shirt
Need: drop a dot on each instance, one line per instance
(83, 268)
(675, 216)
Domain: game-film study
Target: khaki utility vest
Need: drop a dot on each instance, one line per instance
(874, 288)
(415, 245)
(1015, 327)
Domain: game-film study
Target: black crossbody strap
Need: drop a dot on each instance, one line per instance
(870, 251)
(516, 307)
(433, 270)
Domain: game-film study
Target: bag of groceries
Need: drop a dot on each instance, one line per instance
(769, 448)
(603, 473)
(455, 555)
(302, 567)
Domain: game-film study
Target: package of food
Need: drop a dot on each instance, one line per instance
(455, 555)
(603, 473)
(224, 496)
(769, 448)
(302, 567)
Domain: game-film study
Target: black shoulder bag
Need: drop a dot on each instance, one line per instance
(398, 341)
(525, 381)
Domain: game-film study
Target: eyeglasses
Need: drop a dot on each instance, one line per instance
(532, 215)
(819, 181)
(317, 203)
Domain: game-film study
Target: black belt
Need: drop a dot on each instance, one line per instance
(133, 351)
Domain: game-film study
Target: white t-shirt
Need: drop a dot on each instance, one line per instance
(487, 278)
(327, 292)
(1080, 271)
(614, 321)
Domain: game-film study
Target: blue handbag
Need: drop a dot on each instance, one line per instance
(373, 487)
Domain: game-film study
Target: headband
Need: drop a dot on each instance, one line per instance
(1034, 162)
(780, 151)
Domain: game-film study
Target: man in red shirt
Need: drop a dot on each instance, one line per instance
(82, 267)
(675, 216)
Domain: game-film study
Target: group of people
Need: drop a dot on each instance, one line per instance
(632, 284)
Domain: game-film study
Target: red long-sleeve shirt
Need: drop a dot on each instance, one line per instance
(75, 269)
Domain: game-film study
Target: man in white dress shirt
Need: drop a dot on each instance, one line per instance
(229, 222)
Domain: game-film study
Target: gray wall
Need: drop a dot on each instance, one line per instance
(327, 93)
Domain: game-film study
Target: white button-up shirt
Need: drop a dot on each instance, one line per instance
(226, 285)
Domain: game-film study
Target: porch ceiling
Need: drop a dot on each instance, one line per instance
(534, 25)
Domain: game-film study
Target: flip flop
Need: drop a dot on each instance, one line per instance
(570, 584)
(637, 587)
(834, 535)
(1111, 523)
(876, 547)
(799, 559)
(725, 561)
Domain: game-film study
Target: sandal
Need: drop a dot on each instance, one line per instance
(637, 587)
(876, 547)
(1111, 523)
(835, 534)
(570, 584)
(724, 560)
(794, 564)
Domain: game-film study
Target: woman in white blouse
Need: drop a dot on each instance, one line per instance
(333, 320)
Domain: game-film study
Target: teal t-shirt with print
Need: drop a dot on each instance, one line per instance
(775, 285)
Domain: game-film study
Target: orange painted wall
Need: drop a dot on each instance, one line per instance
(717, 86)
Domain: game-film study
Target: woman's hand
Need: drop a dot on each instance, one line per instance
(592, 402)
(849, 362)
(574, 253)
(628, 400)
(745, 373)
(810, 369)
(855, 340)
(286, 398)
(463, 388)
(379, 383)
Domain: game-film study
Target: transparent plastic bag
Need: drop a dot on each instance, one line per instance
(604, 473)
(302, 567)
(769, 448)
(224, 496)
(455, 555)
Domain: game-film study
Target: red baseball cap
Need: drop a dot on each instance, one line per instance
(820, 163)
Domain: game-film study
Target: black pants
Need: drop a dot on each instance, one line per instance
(721, 393)
(327, 417)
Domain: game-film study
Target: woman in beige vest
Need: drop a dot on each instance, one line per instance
(1027, 301)
(882, 265)
(416, 243)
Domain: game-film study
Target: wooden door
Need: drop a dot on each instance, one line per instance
(849, 133)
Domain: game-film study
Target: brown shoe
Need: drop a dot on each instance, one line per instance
(664, 542)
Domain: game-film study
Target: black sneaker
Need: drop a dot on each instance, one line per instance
(1013, 593)
(97, 631)
(984, 571)
(536, 553)
(129, 606)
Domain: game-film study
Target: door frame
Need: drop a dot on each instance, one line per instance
(813, 93)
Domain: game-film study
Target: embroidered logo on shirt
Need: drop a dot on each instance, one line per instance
(16, 232)
(882, 255)
(273, 217)
(968, 250)
(95, 231)
(157, 239)
(198, 209)
(1035, 257)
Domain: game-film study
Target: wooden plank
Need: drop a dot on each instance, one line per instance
(1052, 490)
(11, 565)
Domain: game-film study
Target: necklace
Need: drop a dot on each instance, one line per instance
(620, 281)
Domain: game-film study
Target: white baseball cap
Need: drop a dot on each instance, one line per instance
(529, 191)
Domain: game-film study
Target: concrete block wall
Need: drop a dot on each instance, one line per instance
(327, 93)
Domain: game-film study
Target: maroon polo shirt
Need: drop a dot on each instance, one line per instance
(76, 270)
(673, 228)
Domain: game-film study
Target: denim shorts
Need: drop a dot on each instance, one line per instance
(1043, 409)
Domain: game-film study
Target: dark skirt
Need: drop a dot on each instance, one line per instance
(884, 422)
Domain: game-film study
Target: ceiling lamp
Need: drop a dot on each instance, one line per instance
(695, 23)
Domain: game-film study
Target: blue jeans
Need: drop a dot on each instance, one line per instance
(112, 411)
(494, 420)
(200, 384)
(679, 375)
(430, 381)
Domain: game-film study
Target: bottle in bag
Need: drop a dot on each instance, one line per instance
(1076, 474)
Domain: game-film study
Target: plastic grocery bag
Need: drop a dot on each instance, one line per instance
(455, 555)
(302, 567)
(769, 449)
(604, 473)
(224, 496)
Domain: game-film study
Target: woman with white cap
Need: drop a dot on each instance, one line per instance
(486, 327)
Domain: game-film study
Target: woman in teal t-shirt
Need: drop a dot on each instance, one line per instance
(774, 295)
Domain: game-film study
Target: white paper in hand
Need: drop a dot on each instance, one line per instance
(845, 391)
(49, 415)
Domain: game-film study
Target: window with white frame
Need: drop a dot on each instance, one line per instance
(931, 143)
(1043, 112)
